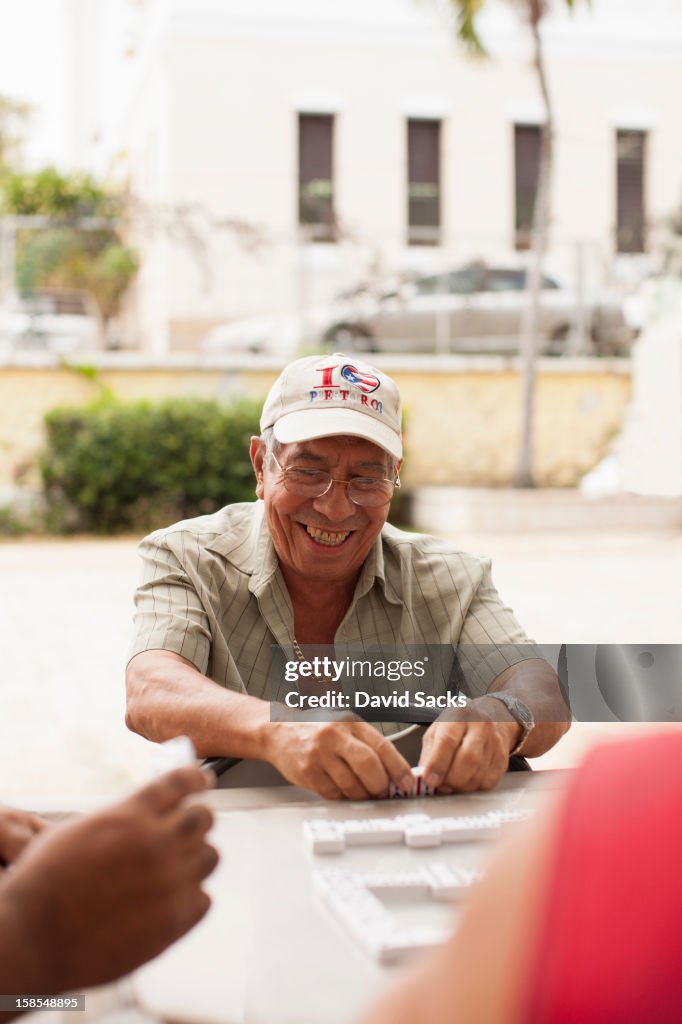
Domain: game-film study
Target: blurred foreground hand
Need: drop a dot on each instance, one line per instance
(89, 901)
(17, 829)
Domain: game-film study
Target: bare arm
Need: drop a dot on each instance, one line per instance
(168, 697)
(537, 685)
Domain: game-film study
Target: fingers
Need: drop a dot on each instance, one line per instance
(202, 863)
(367, 767)
(17, 829)
(392, 761)
(198, 908)
(344, 759)
(440, 745)
(324, 786)
(165, 793)
(346, 780)
(185, 831)
(478, 754)
(361, 762)
(186, 913)
(191, 822)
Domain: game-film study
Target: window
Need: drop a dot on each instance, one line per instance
(526, 174)
(630, 207)
(423, 182)
(506, 280)
(457, 282)
(499, 280)
(315, 176)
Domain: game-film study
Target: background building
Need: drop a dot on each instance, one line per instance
(279, 155)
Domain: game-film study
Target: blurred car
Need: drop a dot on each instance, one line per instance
(258, 335)
(478, 309)
(277, 336)
(60, 321)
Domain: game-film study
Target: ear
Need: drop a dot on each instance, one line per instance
(257, 453)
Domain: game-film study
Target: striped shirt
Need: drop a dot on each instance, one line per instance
(212, 591)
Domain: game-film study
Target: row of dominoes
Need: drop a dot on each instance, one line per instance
(323, 835)
(441, 881)
(352, 897)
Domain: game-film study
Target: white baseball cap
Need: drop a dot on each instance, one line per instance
(320, 396)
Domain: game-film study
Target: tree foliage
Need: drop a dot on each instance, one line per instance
(63, 196)
(81, 247)
(117, 466)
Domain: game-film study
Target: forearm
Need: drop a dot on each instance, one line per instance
(536, 684)
(24, 967)
(168, 697)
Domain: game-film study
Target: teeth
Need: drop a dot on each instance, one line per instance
(323, 537)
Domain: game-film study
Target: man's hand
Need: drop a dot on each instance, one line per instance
(90, 900)
(17, 829)
(345, 758)
(467, 749)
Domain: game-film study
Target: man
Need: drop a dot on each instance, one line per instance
(313, 562)
(84, 903)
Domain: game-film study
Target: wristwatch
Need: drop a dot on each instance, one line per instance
(519, 710)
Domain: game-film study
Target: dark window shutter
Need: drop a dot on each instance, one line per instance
(630, 207)
(526, 174)
(315, 175)
(423, 182)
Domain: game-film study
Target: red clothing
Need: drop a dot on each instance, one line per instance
(610, 943)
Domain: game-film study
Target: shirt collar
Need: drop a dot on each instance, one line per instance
(249, 548)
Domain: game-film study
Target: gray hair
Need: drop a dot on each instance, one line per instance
(271, 444)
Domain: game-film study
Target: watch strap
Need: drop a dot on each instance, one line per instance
(521, 713)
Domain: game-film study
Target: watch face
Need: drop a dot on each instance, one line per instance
(522, 712)
(517, 708)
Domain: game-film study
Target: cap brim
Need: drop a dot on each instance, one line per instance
(308, 424)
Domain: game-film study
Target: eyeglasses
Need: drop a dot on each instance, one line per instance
(313, 483)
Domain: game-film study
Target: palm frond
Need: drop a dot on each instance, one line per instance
(466, 12)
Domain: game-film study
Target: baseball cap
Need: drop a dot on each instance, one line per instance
(320, 396)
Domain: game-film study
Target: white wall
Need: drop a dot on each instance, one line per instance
(235, 74)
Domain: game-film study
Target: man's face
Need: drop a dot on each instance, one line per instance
(325, 538)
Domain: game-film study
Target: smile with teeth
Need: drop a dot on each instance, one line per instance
(329, 539)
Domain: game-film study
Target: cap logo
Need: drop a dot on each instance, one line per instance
(366, 382)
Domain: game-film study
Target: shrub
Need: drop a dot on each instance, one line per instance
(115, 466)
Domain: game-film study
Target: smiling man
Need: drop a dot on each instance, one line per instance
(314, 562)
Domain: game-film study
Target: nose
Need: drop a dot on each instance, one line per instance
(335, 505)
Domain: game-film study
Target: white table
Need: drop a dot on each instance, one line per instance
(269, 951)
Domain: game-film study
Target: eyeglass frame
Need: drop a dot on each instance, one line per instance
(336, 480)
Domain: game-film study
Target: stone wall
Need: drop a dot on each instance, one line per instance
(462, 415)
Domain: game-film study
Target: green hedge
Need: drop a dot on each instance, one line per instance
(112, 467)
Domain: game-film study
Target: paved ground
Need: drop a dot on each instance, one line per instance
(65, 609)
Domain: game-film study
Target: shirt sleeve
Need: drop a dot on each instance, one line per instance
(491, 639)
(169, 615)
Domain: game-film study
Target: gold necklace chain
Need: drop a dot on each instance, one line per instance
(297, 650)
